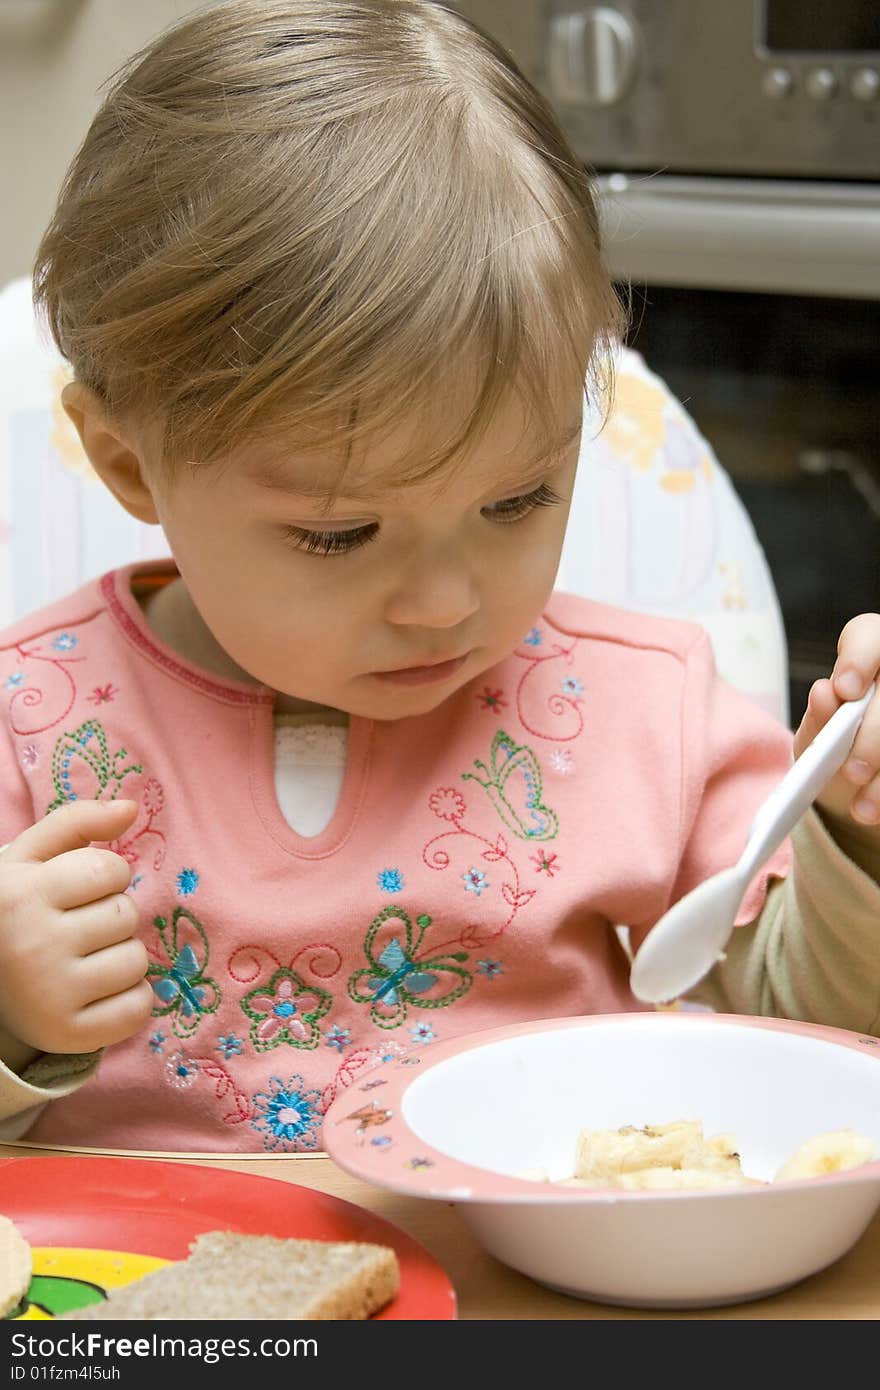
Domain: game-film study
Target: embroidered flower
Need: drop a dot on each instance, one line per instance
(490, 968)
(390, 880)
(181, 1070)
(157, 1042)
(187, 882)
(562, 761)
(230, 1046)
(65, 642)
(447, 804)
(103, 694)
(338, 1037)
(381, 1141)
(475, 881)
(572, 686)
(138, 878)
(30, 755)
(417, 1163)
(422, 1033)
(288, 1116)
(286, 1010)
(545, 863)
(15, 680)
(532, 638)
(493, 699)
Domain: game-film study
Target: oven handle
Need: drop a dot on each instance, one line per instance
(783, 236)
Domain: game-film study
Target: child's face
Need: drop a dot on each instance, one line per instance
(323, 605)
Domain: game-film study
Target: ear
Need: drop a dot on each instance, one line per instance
(116, 459)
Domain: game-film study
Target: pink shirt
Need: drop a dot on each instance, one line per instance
(472, 874)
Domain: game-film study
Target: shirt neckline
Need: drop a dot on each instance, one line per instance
(116, 589)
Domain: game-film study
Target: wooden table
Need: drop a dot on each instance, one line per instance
(849, 1289)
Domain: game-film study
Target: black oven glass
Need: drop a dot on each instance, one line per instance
(822, 26)
(784, 387)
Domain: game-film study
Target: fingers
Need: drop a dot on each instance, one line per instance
(858, 656)
(821, 704)
(100, 924)
(111, 1019)
(858, 660)
(855, 792)
(83, 876)
(111, 970)
(862, 768)
(71, 827)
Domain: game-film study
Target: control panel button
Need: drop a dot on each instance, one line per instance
(821, 84)
(865, 84)
(778, 83)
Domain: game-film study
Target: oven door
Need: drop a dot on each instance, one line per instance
(759, 305)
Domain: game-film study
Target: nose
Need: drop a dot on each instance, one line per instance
(436, 589)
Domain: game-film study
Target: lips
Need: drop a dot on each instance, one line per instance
(423, 665)
(431, 673)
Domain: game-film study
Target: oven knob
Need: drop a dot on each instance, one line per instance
(821, 84)
(591, 57)
(778, 83)
(865, 84)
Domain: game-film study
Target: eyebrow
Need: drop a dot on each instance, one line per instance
(273, 475)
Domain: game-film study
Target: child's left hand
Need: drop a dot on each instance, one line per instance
(851, 800)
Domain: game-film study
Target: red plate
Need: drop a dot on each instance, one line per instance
(150, 1207)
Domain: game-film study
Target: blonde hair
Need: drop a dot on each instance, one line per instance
(314, 215)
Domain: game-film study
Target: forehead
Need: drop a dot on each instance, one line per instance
(507, 452)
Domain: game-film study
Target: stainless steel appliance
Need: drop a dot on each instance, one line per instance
(736, 148)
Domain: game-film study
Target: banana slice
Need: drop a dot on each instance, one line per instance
(603, 1153)
(833, 1152)
(717, 1154)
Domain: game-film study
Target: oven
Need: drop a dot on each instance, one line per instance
(736, 148)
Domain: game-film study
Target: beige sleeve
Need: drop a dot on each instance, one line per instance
(45, 1079)
(814, 952)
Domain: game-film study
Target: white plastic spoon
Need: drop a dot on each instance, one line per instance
(690, 937)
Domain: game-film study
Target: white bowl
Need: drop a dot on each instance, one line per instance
(458, 1121)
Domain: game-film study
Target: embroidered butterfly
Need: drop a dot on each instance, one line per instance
(515, 786)
(184, 989)
(396, 978)
(178, 983)
(83, 766)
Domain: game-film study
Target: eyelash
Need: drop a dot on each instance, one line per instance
(341, 542)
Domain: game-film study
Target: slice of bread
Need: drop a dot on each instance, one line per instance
(228, 1275)
(15, 1266)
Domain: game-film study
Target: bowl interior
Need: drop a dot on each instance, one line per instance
(519, 1103)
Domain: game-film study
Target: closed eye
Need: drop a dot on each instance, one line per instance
(513, 508)
(342, 542)
(330, 542)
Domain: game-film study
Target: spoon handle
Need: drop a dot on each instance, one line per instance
(802, 784)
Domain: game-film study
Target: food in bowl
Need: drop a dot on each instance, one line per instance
(461, 1119)
(677, 1155)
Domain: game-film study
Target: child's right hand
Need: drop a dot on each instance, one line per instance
(72, 973)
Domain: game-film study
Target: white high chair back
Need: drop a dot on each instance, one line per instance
(655, 522)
